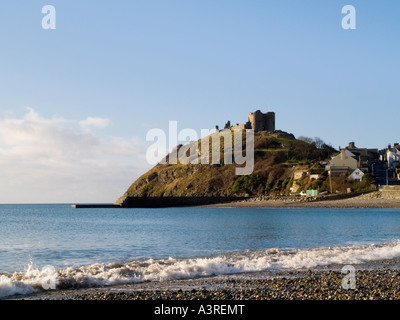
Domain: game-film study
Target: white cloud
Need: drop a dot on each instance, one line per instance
(61, 160)
(95, 122)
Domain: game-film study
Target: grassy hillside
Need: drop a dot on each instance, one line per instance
(277, 157)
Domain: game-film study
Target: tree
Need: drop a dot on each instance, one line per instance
(319, 143)
(306, 139)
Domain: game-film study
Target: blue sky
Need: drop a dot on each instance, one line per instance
(112, 70)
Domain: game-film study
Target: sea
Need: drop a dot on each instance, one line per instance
(53, 246)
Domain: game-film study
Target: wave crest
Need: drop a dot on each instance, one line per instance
(175, 269)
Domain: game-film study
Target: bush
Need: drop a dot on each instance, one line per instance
(247, 184)
(285, 182)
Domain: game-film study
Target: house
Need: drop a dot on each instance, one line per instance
(342, 162)
(366, 157)
(352, 158)
(393, 157)
(356, 175)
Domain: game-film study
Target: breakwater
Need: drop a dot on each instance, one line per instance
(78, 206)
(162, 202)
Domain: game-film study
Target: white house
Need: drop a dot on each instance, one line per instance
(356, 175)
(393, 158)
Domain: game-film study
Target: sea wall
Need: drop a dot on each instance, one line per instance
(390, 192)
(164, 202)
(94, 206)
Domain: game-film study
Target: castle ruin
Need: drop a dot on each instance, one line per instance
(257, 121)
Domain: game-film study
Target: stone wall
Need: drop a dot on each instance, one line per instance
(239, 127)
(390, 192)
(258, 121)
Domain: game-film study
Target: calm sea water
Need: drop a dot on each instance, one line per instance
(154, 244)
(63, 237)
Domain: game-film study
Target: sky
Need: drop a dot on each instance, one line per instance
(77, 101)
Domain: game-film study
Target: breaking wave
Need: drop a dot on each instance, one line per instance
(35, 279)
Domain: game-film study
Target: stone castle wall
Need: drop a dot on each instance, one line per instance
(258, 121)
(262, 121)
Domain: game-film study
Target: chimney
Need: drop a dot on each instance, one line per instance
(352, 145)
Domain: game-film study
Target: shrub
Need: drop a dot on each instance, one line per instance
(247, 184)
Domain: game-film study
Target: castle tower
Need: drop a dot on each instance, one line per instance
(269, 121)
(262, 121)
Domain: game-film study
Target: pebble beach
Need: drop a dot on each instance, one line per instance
(373, 281)
(368, 200)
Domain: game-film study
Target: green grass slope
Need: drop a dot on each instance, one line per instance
(276, 157)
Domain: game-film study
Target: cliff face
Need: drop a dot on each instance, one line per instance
(276, 157)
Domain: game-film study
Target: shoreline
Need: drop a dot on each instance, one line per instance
(363, 201)
(367, 200)
(373, 280)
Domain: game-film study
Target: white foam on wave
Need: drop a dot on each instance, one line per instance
(23, 283)
(173, 269)
(10, 287)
